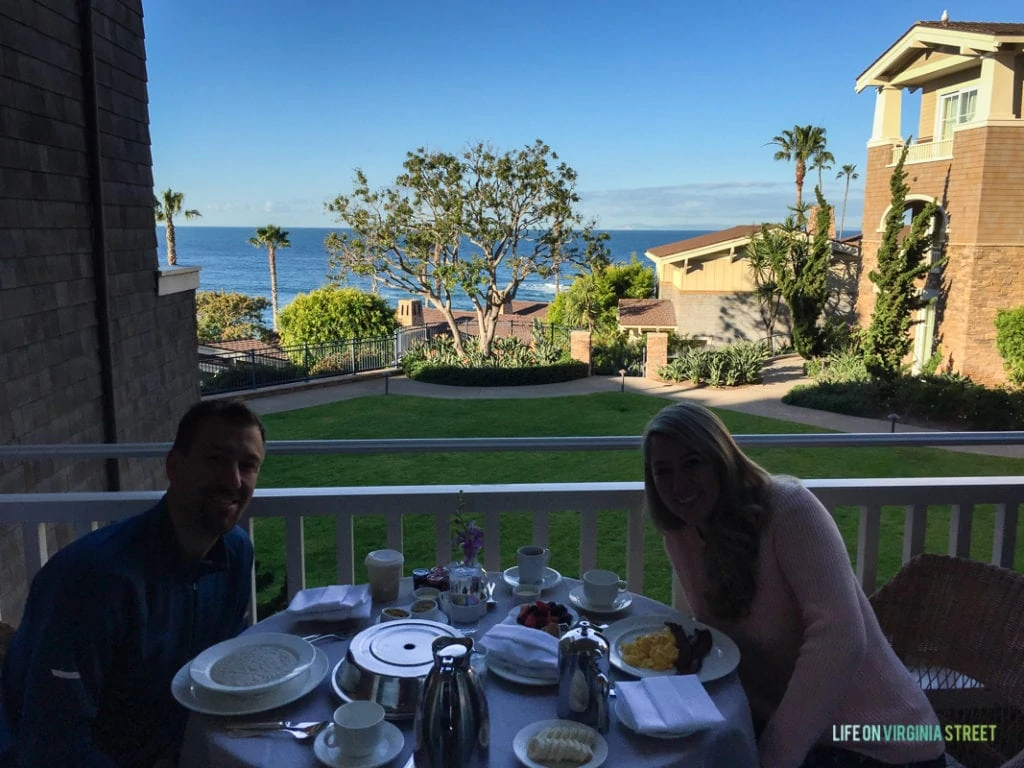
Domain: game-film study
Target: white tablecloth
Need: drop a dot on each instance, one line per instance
(512, 706)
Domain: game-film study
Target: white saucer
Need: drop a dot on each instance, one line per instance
(441, 618)
(550, 579)
(622, 601)
(207, 702)
(388, 748)
(521, 743)
(505, 672)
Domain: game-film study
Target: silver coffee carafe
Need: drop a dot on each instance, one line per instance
(583, 676)
(452, 725)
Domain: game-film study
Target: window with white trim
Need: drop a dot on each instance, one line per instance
(956, 109)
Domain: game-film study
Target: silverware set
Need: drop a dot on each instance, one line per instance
(300, 731)
(339, 637)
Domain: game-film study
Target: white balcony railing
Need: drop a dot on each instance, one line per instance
(85, 511)
(924, 152)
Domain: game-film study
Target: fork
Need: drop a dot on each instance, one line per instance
(301, 731)
(325, 636)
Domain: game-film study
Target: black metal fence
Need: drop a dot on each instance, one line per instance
(224, 370)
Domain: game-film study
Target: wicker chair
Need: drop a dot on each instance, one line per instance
(959, 625)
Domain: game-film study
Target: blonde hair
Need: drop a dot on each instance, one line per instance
(732, 535)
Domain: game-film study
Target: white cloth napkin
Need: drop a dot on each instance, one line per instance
(334, 603)
(529, 651)
(672, 704)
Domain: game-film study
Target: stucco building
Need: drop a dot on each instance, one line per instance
(97, 343)
(968, 156)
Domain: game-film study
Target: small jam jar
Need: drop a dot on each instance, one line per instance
(419, 577)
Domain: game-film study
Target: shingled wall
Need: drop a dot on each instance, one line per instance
(50, 340)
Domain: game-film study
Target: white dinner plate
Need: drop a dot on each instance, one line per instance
(388, 748)
(522, 741)
(622, 601)
(723, 658)
(198, 699)
(291, 655)
(550, 578)
(507, 672)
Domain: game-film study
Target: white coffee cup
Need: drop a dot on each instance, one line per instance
(601, 588)
(426, 593)
(384, 572)
(357, 728)
(426, 609)
(532, 561)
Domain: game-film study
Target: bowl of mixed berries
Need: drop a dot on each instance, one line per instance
(547, 616)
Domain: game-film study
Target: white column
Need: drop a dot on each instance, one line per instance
(888, 116)
(995, 94)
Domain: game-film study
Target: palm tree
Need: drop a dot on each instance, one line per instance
(822, 161)
(166, 207)
(850, 172)
(799, 145)
(271, 237)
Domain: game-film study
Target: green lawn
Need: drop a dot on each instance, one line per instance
(398, 416)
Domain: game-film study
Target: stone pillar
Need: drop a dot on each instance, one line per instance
(579, 346)
(657, 354)
(410, 313)
(888, 114)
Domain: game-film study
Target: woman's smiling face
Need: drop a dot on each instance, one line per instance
(686, 481)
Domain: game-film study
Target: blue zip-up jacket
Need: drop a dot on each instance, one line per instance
(108, 621)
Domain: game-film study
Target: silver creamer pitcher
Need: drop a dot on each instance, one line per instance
(583, 676)
(452, 725)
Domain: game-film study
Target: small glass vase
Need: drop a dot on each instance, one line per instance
(467, 591)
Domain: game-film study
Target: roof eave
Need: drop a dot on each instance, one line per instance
(726, 246)
(918, 38)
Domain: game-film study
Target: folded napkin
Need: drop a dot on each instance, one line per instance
(671, 704)
(530, 652)
(333, 603)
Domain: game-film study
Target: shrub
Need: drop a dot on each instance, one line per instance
(1010, 342)
(616, 350)
(329, 314)
(500, 377)
(730, 366)
(225, 316)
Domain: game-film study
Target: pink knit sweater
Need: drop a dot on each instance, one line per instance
(812, 652)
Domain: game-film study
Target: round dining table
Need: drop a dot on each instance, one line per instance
(512, 706)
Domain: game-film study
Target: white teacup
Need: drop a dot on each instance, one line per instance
(425, 609)
(532, 561)
(357, 728)
(394, 614)
(601, 588)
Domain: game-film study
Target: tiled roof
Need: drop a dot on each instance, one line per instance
(703, 241)
(520, 311)
(244, 345)
(647, 313)
(978, 27)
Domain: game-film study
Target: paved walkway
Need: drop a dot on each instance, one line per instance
(760, 400)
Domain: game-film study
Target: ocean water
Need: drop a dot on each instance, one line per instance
(229, 263)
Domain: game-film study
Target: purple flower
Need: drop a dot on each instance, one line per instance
(469, 537)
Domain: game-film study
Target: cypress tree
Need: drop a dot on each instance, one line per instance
(900, 264)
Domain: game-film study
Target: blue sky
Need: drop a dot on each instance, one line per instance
(260, 111)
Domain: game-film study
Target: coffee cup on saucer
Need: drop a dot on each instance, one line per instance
(357, 728)
(532, 560)
(602, 588)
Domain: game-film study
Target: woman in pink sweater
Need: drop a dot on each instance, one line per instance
(762, 560)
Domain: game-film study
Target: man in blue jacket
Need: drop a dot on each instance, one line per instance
(111, 617)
